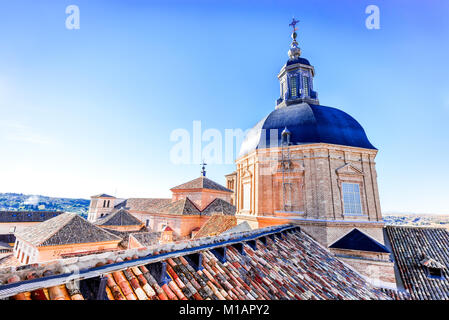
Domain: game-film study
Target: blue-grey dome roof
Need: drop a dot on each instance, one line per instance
(298, 60)
(307, 123)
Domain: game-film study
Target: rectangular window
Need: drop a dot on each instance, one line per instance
(293, 87)
(246, 196)
(305, 81)
(351, 198)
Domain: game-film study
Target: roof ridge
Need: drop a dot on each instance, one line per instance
(191, 202)
(192, 184)
(215, 200)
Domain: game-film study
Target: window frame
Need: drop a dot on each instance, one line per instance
(305, 86)
(357, 197)
(294, 93)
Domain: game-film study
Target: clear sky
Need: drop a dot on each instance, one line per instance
(91, 110)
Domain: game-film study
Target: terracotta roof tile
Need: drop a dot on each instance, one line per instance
(219, 206)
(121, 217)
(150, 205)
(181, 207)
(201, 183)
(67, 228)
(294, 267)
(216, 224)
(410, 245)
(147, 239)
(27, 216)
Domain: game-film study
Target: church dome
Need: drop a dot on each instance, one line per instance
(307, 123)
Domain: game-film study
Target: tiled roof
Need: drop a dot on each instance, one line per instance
(67, 228)
(124, 235)
(396, 294)
(8, 238)
(8, 260)
(181, 207)
(103, 195)
(293, 266)
(121, 217)
(431, 263)
(27, 216)
(357, 240)
(147, 239)
(201, 183)
(410, 245)
(219, 206)
(4, 245)
(150, 205)
(216, 224)
(241, 227)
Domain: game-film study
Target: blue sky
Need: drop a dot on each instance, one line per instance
(91, 110)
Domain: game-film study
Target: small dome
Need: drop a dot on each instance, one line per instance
(307, 123)
(298, 60)
(286, 132)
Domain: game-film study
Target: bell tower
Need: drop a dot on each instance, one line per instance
(296, 76)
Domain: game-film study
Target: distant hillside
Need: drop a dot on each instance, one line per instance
(26, 202)
(417, 220)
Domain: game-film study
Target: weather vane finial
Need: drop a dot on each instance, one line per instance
(203, 168)
(294, 51)
(293, 24)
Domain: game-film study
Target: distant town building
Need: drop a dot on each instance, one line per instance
(191, 205)
(100, 205)
(14, 221)
(65, 235)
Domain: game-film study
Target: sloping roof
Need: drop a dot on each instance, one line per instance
(8, 238)
(124, 235)
(216, 224)
(27, 216)
(120, 217)
(291, 267)
(357, 240)
(219, 206)
(409, 245)
(9, 260)
(5, 246)
(102, 195)
(241, 227)
(67, 228)
(147, 239)
(431, 263)
(150, 205)
(201, 183)
(181, 207)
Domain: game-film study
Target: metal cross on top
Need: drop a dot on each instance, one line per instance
(293, 24)
(203, 169)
